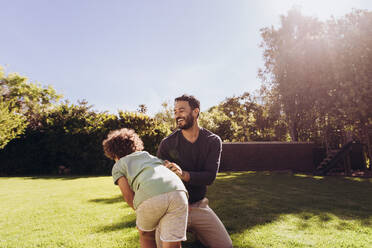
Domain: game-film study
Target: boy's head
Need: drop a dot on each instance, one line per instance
(121, 142)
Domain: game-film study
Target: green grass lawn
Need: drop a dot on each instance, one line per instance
(259, 210)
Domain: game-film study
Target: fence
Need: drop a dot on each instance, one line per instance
(271, 156)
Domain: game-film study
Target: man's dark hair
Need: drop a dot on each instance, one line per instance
(121, 142)
(193, 102)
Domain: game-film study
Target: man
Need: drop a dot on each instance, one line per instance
(193, 153)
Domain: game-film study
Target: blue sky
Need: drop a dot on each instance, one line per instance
(119, 54)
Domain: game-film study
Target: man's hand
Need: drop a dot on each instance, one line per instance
(184, 175)
(173, 167)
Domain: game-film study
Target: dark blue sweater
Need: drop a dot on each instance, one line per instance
(201, 159)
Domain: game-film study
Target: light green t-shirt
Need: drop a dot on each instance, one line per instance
(146, 176)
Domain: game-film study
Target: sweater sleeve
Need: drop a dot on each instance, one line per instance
(162, 153)
(212, 163)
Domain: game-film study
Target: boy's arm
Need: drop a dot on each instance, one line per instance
(125, 189)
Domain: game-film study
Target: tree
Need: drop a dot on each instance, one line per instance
(29, 99)
(11, 123)
(71, 135)
(292, 54)
(142, 108)
(60, 134)
(219, 123)
(241, 118)
(319, 73)
(166, 116)
(351, 45)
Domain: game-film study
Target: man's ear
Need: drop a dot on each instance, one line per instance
(196, 111)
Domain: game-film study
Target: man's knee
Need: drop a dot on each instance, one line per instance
(227, 244)
(209, 229)
(221, 242)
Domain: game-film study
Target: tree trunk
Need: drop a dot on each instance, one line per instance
(367, 142)
(293, 132)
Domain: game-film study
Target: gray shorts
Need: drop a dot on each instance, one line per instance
(206, 225)
(166, 212)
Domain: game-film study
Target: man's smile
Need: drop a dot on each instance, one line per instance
(180, 119)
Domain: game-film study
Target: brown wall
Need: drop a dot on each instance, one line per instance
(258, 156)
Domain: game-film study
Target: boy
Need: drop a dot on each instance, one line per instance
(156, 193)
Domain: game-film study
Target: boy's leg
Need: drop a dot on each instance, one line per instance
(149, 213)
(172, 227)
(206, 225)
(159, 244)
(172, 244)
(147, 239)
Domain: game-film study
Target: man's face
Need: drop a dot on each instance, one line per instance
(183, 114)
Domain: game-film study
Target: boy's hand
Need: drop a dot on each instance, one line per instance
(184, 175)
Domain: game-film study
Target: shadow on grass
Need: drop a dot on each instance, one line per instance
(115, 199)
(245, 200)
(65, 177)
(130, 222)
(52, 177)
(248, 199)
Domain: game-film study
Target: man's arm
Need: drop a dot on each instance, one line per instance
(212, 163)
(125, 189)
(162, 151)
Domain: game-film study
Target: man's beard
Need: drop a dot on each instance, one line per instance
(189, 121)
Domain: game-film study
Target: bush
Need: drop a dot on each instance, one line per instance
(71, 136)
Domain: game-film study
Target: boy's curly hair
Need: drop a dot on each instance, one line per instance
(121, 142)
